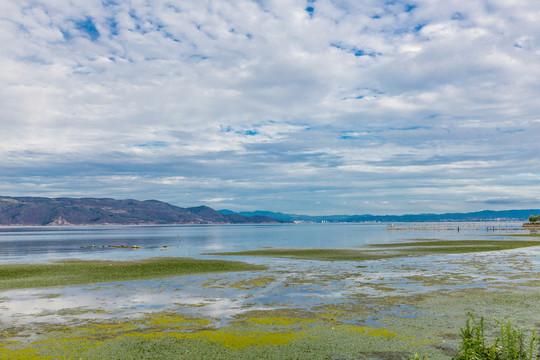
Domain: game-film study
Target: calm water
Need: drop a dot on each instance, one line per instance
(38, 244)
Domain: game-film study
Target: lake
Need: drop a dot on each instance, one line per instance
(45, 243)
(433, 291)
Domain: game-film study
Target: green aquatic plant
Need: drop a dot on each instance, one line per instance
(314, 254)
(473, 343)
(266, 335)
(386, 251)
(79, 272)
(512, 343)
(418, 357)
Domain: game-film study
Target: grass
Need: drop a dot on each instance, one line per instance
(384, 251)
(79, 272)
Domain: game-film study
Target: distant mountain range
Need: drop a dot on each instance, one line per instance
(89, 211)
(518, 215)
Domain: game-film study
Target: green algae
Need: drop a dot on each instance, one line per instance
(522, 235)
(441, 280)
(247, 284)
(49, 296)
(386, 251)
(172, 336)
(280, 321)
(171, 320)
(11, 350)
(323, 333)
(456, 246)
(367, 330)
(253, 283)
(388, 326)
(335, 331)
(315, 254)
(72, 312)
(78, 272)
(189, 305)
(326, 332)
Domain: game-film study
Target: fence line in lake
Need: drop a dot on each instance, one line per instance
(458, 227)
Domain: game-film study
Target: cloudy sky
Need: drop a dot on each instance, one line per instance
(299, 106)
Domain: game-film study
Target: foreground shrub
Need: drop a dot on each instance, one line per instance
(512, 343)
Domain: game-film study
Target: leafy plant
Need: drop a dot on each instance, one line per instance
(473, 346)
(512, 343)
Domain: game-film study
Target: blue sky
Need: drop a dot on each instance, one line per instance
(313, 107)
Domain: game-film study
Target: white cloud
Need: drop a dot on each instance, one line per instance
(216, 200)
(365, 95)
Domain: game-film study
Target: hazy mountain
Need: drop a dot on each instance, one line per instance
(66, 211)
(519, 215)
(70, 211)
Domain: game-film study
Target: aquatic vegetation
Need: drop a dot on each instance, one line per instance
(253, 283)
(238, 340)
(78, 272)
(417, 357)
(441, 279)
(281, 334)
(456, 246)
(262, 335)
(72, 312)
(247, 284)
(197, 305)
(512, 343)
(367, 330)
(280, 321)
(171, 320)
(384, 310)
(10, 350)
(315, 254)
(385, 251)
(532, 234)
(49, 296)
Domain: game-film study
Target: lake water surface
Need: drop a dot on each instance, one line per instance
(45, 243)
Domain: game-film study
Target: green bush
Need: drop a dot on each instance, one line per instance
(512, 343)
(473, 343)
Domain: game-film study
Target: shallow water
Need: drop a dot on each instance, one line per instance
(288, 283)
(39, 244)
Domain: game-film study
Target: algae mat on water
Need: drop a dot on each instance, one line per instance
(364, 329)
(167, 335)
(79, 272)
(389, 326)
(384, 251)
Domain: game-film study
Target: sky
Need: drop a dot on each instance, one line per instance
(300, 106)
